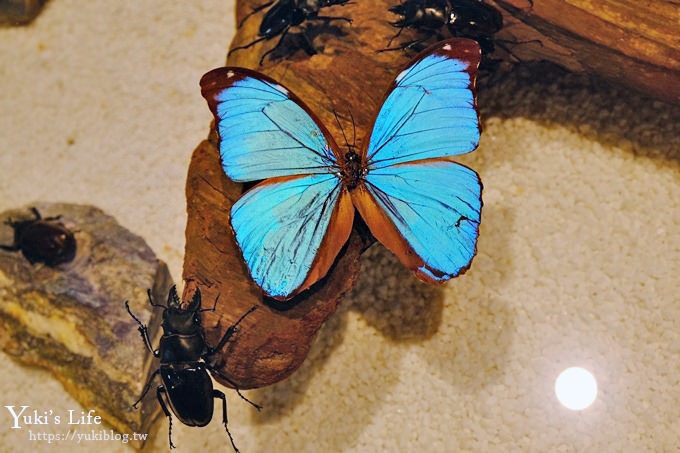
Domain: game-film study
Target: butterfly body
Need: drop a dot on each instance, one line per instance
(353, 171)
(414, 199)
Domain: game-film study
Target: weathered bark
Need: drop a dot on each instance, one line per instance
(346, 74)
(636, 44)
(274, 340)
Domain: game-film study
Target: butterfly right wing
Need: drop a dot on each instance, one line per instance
(423, 207)
(430, 110)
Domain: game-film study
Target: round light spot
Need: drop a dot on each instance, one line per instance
(576, 388)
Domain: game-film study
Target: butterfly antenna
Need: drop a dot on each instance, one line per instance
(337, 119)
(354, 129)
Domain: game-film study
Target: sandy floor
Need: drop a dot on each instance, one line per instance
(578, 259)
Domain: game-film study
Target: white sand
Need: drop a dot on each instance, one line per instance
(578, 259)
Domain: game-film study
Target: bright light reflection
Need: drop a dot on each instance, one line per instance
(576, 388)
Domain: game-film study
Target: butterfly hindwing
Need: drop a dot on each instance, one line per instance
(426, 213)
(290, 230)
(430, 110)
(422, 206)
(265, 131)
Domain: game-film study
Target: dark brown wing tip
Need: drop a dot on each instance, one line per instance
(463, 49)
(220, 78)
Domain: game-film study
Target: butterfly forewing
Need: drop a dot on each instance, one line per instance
(265, 131)
(430, 110)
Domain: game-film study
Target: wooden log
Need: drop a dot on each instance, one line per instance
(274, 341)
(636, 44)
(347, 74)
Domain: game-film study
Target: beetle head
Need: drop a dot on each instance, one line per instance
(177, 319)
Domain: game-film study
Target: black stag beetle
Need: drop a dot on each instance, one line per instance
(472, 19)
(184, 357)
(285, 14)
(42, 240)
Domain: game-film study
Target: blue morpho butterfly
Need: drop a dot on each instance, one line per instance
(422, 206)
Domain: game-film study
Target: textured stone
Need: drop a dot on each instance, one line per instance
(71, 319)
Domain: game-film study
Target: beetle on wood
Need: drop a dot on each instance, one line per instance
(184, 357)
(472, 19)
(285, 14)
(42, 240)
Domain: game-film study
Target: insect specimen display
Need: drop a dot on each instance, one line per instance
(422, 206)
(282, 15)
(186, 386)
(472, 19)
(42, 240)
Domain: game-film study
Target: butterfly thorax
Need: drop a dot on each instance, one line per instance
(352, 171)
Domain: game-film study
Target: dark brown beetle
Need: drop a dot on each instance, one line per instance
(472, 19)
(285, 14)
(42, 240)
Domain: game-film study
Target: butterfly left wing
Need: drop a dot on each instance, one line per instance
(265, 130)
(420, 205)
(291, 226)
(291, 229)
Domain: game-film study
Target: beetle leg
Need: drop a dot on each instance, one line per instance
(255, 10)
(54, 217)
(143, 331)
(39, 216)
(10, 248)
(332, 18)
(153, 304)
(214, 305)
(220, 395)
(234, 385)
(247, 45)
(401, 28)
(160, 389)
(230, 331)
(407, 45)
(146, 387)
(278, 44)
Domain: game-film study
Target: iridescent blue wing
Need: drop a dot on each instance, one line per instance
(423, 207)
(265, 130)
(426, 213)
(291, 229)
(430, 110)
(291, 226)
